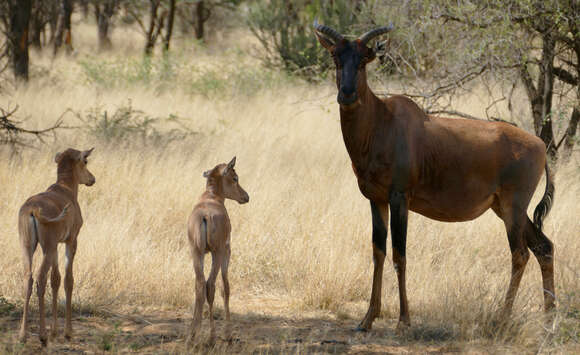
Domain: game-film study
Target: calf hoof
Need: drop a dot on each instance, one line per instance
(68, 335)
(22, 337)
(403, 327)
(190, 341)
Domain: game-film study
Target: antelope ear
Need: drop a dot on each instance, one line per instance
(57, 157)
(207, 173)
(230, 166)
(324, 41)
(86, 153)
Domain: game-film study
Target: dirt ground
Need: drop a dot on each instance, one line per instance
(266, 326)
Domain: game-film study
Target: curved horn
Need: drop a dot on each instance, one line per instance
(365, 38)
(330, 32)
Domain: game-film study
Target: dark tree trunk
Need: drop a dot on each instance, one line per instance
(63, 34)
(170, 20)
(201, 14)
(84, 4)
(541, 96)
(20, 11)
(571, 131)
(37, 24)
(155, 26)
(103, 16)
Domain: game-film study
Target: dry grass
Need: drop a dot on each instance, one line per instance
(305, 235)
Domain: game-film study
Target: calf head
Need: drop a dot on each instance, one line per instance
(225, 177)
(73, 163)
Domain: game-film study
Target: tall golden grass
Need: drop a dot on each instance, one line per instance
(306, 233)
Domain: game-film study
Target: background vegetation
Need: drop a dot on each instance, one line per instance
(162, 103)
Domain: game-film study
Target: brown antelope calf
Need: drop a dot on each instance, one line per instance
(49, 218)
(208, 229)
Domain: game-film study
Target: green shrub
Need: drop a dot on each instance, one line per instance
(284, 30)
(127, 125)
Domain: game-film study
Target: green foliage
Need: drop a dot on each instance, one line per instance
(6, 308)
(284, 30)
(177, 71)
(127, 125)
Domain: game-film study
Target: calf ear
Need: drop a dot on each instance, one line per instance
(230, 166)
(57, 157)
(207, 173)
(86, 153)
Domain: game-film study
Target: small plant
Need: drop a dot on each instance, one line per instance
(129, 125)
(6, 307)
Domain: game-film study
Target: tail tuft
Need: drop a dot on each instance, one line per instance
(543, 208)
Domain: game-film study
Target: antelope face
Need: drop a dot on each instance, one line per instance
(350, 58)
(231, 186)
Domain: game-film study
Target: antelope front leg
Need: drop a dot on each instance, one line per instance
(399, 215)
(71, 249)
(379, 215)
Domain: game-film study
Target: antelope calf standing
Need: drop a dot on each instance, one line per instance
(49, 218)
(208, 230)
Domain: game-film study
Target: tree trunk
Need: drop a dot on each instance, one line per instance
(37, 26)
(170, 20)
(103, 16)
(20, 11)
(200, 18)
(571, 131)
(63, 34)
(541, 96)
(150, 35)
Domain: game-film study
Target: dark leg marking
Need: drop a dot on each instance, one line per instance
(379, 229)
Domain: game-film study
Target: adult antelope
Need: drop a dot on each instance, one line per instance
(446, 169)
(49, 218)
(208, 230)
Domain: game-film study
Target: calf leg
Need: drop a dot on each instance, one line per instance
(27, 253)
(71, 249)
(216, 262)
(226, 293)
(379, 217)
(55, 284)
(199, 294)
(41, 279)
(543, 250)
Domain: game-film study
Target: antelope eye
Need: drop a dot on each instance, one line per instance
(235, 179)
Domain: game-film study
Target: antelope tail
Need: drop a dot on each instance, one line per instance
(37, 213)
(205, 230)
(543, 208)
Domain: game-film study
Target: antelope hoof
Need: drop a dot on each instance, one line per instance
(68, 335)
(43, 340)
(362, 328)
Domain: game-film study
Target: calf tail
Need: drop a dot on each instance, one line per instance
(543, 208)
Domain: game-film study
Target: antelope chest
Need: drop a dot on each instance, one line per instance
(374, 181)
